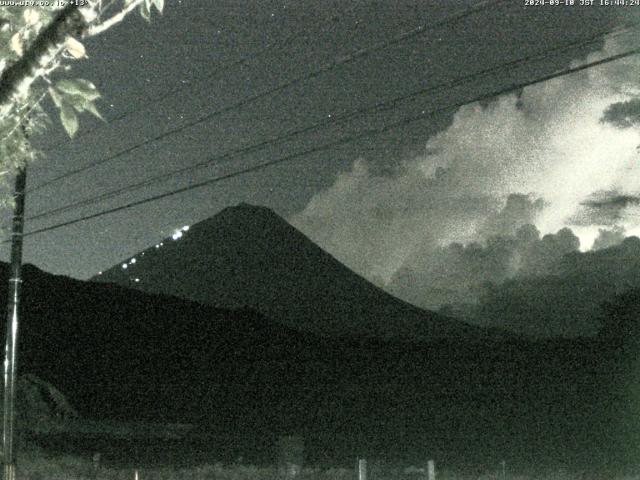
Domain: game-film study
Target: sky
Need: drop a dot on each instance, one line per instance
(400, 208)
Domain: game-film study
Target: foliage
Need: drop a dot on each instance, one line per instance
(38, 46)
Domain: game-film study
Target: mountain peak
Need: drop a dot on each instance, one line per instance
(249, 256)
(244, 207)
(244, 214)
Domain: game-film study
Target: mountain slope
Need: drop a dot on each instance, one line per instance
(118, 353)
(249, 256)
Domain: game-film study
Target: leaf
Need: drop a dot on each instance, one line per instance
(77, 102)
(16, 43)
(56, 97)
(79, 86)
(75, 48)
(31, 16)
(159, 5)
(69, 119)
(81, 104)
(91, 108)
(145, 10)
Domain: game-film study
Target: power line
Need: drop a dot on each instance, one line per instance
(539, 55)
(484, 4)
(343, 141)
(178, 89)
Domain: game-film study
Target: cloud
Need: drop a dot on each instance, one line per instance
(613, 201)
(542, 257)
(454, 215)
(567, 302)
(623, 114)
(519, 210)
(605, 208)
(373, 223)
(459, 274)
(609, 238)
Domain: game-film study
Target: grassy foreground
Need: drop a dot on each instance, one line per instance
(41, 466)
(73, 468)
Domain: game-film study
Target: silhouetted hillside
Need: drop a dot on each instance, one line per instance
(123, 354)
(249, 256)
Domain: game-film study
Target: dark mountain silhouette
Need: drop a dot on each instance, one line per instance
(248, 256)
(122, 354)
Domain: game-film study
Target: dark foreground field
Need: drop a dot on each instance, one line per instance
(65, 456)
(243, 380)
(40, 466)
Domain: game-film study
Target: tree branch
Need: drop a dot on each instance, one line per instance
(45, 50)
(97, 29)
(18, 78)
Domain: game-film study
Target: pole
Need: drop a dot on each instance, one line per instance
(11, 345)
(362, 469)
(431, 470)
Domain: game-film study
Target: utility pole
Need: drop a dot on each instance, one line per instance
(11, 345)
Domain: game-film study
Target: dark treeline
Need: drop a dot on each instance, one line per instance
(125, 355)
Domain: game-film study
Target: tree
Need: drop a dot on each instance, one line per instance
(36, 42)
(38, 45)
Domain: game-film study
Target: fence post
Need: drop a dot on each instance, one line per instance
(95, 460)
(291, 455)
(431, 470)
(362, 469)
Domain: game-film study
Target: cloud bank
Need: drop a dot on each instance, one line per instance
(502, 194)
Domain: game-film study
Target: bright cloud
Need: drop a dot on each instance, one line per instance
(552, 144)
